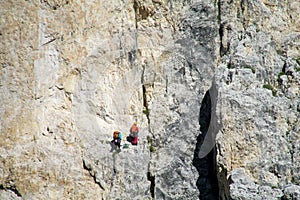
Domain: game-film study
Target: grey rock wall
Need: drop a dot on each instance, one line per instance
(213, 85)
(258, 103)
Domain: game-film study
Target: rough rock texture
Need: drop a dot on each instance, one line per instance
(214, 86)
(258, 83)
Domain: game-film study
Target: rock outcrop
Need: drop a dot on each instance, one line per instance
(213, 85)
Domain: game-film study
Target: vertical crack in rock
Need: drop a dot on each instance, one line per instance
(167, 82)
(12, 188)
(224, 45)
(146, 110)
(132, 55)
(89, 168)
(222, 49)
(207, 182)
(292, 151)
(223, 184)
(135, 8)
(151, 178)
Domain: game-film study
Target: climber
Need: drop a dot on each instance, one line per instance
(117, 137)
(133, 136)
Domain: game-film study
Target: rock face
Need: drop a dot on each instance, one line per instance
(258, 84)
(213, 85)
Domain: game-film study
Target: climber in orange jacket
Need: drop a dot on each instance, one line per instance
(117, 138)
(134, 134)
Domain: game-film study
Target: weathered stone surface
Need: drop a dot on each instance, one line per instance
(244, 188)
(10, 195)
(259, 95)
(291, 192)
(192, 73)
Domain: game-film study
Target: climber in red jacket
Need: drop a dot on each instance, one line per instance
(133, 136)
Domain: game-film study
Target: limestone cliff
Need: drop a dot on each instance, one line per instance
(213, 85)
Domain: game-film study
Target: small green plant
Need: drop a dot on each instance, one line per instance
(279, 75)
(150, 141)
(152, 149)
(270, 87)
(146, 111)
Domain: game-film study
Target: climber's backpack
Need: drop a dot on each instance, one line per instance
(116, 135)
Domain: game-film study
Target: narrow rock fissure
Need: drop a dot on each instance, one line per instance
(12, 189)
(135, 8)
(151, 178)
(221, 30)
(146, 110)
(207, 182)
(223, 183)
(92, 174)
(292, 151)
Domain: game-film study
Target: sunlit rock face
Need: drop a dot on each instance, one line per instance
(213, 85)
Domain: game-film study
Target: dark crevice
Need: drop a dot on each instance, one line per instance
(224, 182)
(207, 182)
(151, 178)
(221, 29)
(150, 139)
(223, 48)
(12, 189)
(145, 103)
(292, 151)
(48, 42)
(135, 8)
(146, 110)
(167, 82)
(88, 167)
